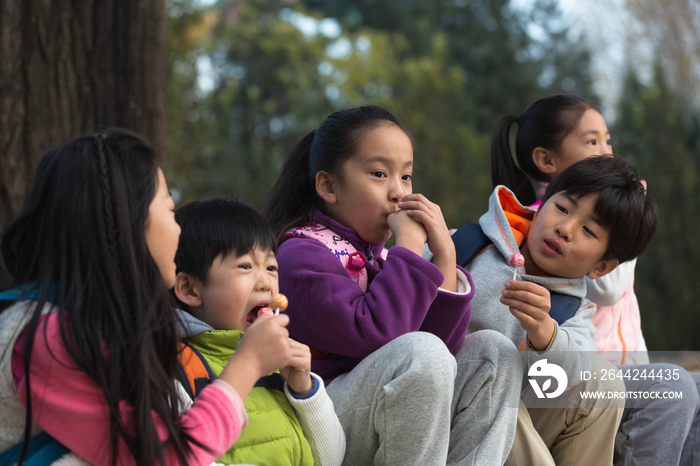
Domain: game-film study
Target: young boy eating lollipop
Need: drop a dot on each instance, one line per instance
(226, 280)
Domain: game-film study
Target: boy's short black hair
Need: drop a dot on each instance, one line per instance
(213, 227)
(623, 207)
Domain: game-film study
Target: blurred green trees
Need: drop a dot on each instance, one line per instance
(659, 132)
(275, 69)
(265, 91)
(456, 67)
(248, 78)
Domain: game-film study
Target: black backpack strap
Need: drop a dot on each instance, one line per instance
(469, 241)
(563, 306)
(274, 381)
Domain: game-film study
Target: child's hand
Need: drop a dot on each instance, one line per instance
(430, 215)
(439, 238)
(264, 348)
(530, 304)
(267, 343)
(409, 232)
(298, 372)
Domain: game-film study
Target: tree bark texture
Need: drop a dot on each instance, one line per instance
(68, 67)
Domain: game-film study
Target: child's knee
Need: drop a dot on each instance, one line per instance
(665, 386)
(495, 358)
(495, 347)
(688, 387)
(424, 356)
(681, 391)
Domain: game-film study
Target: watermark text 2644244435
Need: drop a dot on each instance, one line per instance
(650, 372)
(564, 379)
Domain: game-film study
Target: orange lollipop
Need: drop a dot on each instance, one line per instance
(279, 302)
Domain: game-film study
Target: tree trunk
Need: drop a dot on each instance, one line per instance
(69, 67)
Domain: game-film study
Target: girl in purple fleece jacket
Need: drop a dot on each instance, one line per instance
(407, 387)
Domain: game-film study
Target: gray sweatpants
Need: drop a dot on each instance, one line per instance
(412, 402)
(691, 447)
(653, 431)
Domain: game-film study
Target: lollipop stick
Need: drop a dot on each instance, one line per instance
(277, 311)
(515, 269)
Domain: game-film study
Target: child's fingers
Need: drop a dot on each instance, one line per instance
(415, 205)
(522, 306)
(301, 356)
(274, 327)
(271, 330)
(427, 213)
(266, 344)
(299, 348)
(423, 217)
(534, 288)
(300, 364)
(282, 320)
(401, 218)
(414, 197)
(297, 344)
(526, 321)
(300, 351)
(419, 203)
(525, 297)
(410, 233)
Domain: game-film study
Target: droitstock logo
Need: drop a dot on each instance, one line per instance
(542, 369)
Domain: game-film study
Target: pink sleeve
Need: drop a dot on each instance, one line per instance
(70, 406)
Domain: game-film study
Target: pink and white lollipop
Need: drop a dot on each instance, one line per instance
(516, 260)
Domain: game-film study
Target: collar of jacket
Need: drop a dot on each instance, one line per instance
(372, 251)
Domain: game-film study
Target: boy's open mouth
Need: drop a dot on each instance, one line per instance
(253, 314)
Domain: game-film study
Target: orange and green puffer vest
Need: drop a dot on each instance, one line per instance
(273, 435)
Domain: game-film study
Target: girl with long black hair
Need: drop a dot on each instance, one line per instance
(89, 343)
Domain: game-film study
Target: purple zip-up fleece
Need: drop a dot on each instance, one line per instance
(330, 313)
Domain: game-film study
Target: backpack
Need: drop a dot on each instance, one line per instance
(470, 240)
(195, 373)
(43, 449)
(193, 370)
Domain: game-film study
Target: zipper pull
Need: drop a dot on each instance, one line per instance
(369, 254)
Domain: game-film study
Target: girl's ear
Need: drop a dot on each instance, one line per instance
(324, 187)
(545, 161)
(188, 289)
(603, 268)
